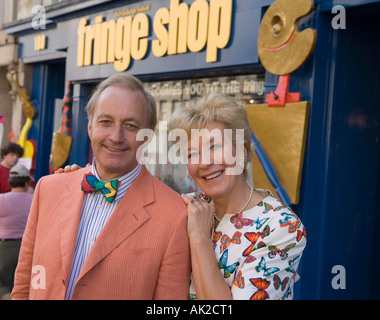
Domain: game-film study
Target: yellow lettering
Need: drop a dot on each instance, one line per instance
(178, 27)
(140, 30)
(205, 23)
(43, 42)
(107, 53)
(89, 41)
(160, 46)
(219, 27)
(123, 44)
(142, 9)
(198, 23)
(81, 40)
(40, 43)
(98, 39)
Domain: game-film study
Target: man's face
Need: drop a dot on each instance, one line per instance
(10, 159)
(119, 114)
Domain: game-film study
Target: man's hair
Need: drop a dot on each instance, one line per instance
(129, 82)
(16, 182)
(12, 148)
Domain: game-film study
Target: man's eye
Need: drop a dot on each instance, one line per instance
(131, 126)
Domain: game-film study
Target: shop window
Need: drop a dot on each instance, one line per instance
(163, 110)
(169, 95)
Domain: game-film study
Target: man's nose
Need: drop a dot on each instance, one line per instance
(116, 134)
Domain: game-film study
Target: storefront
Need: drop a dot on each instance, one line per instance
(182, 49)
(188, 58)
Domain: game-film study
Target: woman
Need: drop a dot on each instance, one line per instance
(256, 242)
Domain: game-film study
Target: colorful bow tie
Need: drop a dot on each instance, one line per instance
(91, 184)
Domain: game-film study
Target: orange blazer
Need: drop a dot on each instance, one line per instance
(141, 253)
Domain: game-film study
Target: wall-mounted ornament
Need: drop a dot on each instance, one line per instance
(30, 146)
(62, 140)
(279, 127)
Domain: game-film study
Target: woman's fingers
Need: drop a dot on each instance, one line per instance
(69, 168)
(187, 199)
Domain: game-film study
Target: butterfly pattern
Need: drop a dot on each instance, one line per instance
(278, 284)
(239, 222)
(259, 250)
(261, 285)
(226, 240)
(228, 270)
(282, 253)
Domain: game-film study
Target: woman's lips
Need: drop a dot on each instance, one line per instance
(213, 175)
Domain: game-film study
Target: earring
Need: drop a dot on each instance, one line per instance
(243, 162)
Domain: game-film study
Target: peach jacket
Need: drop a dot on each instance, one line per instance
(141, 253)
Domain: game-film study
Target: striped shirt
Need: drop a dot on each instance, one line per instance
(95, 213)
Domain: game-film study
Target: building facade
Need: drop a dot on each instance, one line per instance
(184, 49)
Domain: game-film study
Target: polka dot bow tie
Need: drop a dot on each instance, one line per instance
(90, 183)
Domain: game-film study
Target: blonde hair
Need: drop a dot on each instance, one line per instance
(198, 113)
(123, 80)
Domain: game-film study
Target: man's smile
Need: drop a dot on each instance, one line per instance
(114, 149)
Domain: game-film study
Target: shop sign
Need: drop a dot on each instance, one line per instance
(200, 88)
(176, 30)
(40, 42)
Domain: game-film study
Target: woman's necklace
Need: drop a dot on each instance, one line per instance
(241, 210)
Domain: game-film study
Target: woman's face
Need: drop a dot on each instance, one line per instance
(214, 162)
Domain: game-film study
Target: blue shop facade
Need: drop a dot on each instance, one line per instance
(185, 51)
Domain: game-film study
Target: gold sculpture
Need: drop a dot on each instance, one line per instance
(280, 126)
(282, 47)
(30, 112)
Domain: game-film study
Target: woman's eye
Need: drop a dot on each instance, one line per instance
(216, 146)
(193, 155)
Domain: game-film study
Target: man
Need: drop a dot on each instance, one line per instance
(10, 155)
(14, 211)
(125, 244)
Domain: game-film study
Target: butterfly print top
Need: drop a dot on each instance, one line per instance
(258, 251)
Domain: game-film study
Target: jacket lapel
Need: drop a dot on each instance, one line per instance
(70, 209)
(128, 216)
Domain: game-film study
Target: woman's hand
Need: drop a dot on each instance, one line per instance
(200, 218)
(208, 282)
(70, 168)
